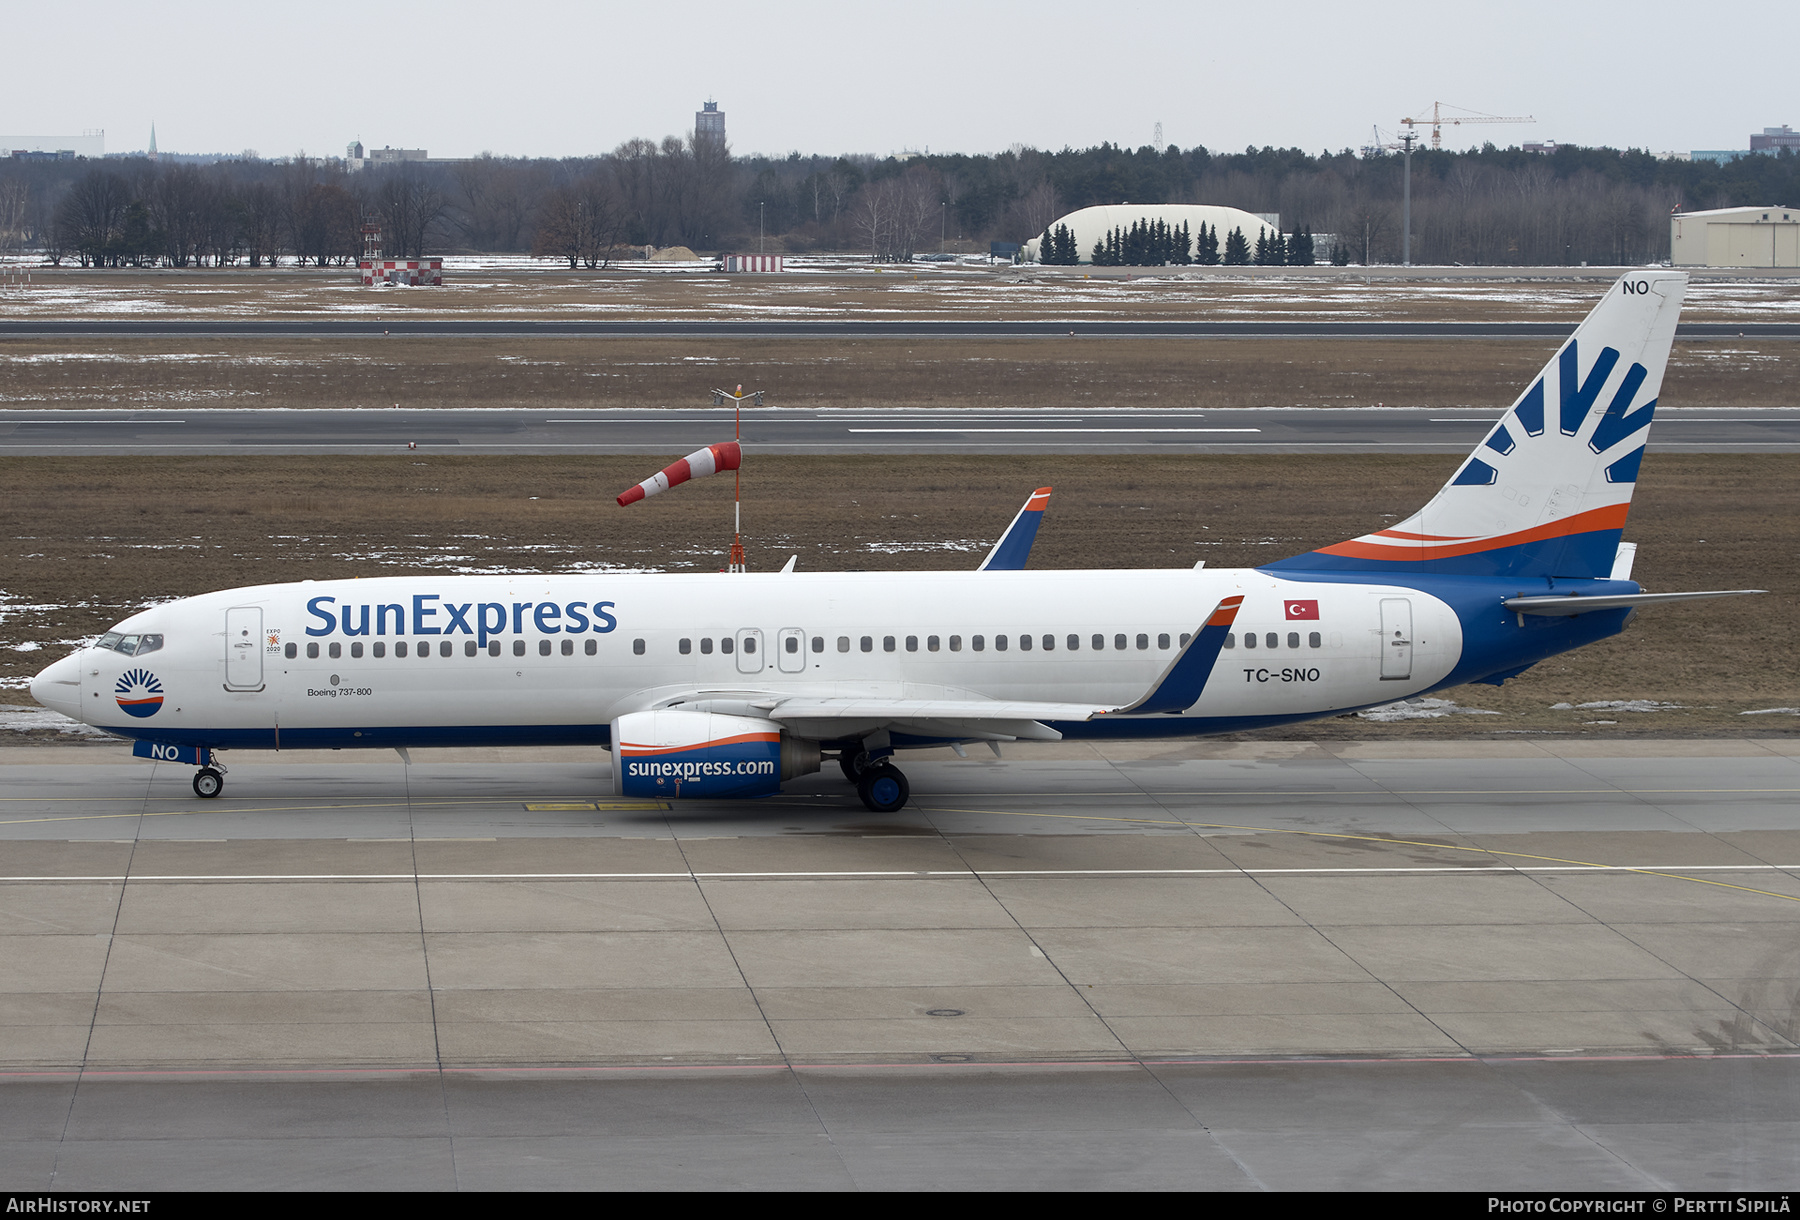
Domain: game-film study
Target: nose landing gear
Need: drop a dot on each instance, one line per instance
(208, 783)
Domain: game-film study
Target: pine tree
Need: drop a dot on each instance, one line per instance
(1300, 249)
(1047, 249)
(1182, 246)
(1237, 248)
(1066, 248)
(1278, 250)
(1262, 248)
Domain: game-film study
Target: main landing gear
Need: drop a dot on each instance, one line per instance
(881, 785)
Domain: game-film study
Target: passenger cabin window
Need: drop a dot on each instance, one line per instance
(493, 648)
(1074, 642)
(843, 643)
(1249, 639)
(1162, 641)
(868, 643)
(1185, 637)
(334, 650)
(637, 647)
(1024, 643)
(1119, 642)
(543, 648)
(1272, 640)
(423, 649)
(445, 648)
(293, 650)
(749, 644)
(518, 648)
(726, 645)
(1099, 643)
(1313, 640)
(1143, 641)
(312, 652)
(931, 643)
(684, 646)
(356, 649)
(706, 646)
(469, 648)
(1293, 639)
(1230, 640)
(380, 649)
(956, 643)
(999, 643)
(399, 648)
(590, 647)
(887, 643)
(818, 643)
(912, 643)
(977, 643)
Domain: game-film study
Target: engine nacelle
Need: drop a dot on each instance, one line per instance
(674, 753)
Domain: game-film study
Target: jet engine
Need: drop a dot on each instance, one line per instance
(674, 753)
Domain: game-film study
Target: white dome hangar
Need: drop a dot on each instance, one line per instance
(1093, 224)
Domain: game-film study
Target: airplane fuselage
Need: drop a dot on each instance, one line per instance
(553, 660)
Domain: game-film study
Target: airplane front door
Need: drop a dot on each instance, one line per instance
(1396, 639)
(750, 650)
(243, 648)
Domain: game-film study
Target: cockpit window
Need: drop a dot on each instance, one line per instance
(129, 645)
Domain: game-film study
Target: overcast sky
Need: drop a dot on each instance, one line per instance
(545, 78)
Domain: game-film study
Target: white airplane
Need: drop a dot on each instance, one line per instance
(727, 685)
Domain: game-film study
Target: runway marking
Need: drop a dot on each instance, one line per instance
(1441, 869)
(1326, 834)
(1041, 431)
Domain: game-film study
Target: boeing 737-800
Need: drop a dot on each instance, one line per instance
(729, 684)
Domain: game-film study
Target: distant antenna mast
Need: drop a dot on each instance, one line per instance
(1156, 140)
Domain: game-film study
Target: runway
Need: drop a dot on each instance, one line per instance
(1536, 964)
(791, 328)
(835, 431)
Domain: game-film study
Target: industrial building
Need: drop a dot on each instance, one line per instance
(1735, 237)
(709, 124)
(1091, 225)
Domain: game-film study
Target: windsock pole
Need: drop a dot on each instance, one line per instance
(735, 562)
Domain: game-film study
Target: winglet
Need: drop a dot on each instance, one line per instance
(1010, 553)
(1181, 683)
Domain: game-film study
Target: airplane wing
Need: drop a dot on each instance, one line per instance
(1567, 606)
(1009, 554)
(1176, 689)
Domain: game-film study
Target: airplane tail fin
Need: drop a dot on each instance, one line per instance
(1547, 491)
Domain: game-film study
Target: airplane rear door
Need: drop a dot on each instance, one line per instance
(749, 650)
(243, 648)
(1396, 639)
(790, 654)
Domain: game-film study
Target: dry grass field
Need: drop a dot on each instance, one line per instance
(828, 289)
(85, 540)
(565, 374)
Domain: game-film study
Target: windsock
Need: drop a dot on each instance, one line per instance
(698, 464)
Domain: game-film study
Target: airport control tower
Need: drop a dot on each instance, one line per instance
(709, 124)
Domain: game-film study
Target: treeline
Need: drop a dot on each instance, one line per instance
(1491, 206)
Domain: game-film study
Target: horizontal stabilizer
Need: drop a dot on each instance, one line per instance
(1565, 606)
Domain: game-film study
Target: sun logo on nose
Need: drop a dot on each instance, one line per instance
(138, 693)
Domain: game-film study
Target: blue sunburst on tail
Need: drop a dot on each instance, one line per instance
(1546, 493)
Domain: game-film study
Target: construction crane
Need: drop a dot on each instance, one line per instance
(1439, 118)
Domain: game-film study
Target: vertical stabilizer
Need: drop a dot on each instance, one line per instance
(1546, 492)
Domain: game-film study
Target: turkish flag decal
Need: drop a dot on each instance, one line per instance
(1302, 609)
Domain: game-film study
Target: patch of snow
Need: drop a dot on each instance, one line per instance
(1617, 705)
(16, 717)
(1420, 709)
(1773, 711)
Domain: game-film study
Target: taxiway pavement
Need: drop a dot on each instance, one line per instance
(833, 431)
(1541, 963)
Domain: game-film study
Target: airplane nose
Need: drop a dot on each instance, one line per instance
(58, 687)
